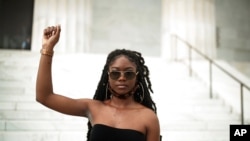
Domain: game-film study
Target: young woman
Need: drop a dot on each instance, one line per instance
(121, 109)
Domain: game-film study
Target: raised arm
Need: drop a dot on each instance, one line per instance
(44, 87)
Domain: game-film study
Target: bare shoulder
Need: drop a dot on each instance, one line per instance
(147, 116)
(152, 125)
(152, 117)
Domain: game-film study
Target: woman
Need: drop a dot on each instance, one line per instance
(122, 108)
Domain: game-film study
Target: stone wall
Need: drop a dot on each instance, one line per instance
(233, 30)
(131, 24)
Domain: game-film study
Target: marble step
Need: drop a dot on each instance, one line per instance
(79, 123)
(74, 124)
(43, 135)
(195, 135)
(81, 135)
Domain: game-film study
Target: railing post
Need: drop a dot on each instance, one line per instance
(242, 104)
(210, 79)
(190, 60)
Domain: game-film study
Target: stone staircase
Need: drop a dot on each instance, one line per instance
(185, 111)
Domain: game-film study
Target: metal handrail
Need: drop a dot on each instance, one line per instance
(212, 62)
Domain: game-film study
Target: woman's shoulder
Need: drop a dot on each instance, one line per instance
(148, 114)
(147, 110)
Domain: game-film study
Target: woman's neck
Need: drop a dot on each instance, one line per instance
(116, 102)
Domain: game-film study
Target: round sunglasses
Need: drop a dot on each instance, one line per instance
(115, 75)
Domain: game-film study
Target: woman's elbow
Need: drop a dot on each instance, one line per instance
(40, 97)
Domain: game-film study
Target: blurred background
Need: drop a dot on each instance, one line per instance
(197, 52)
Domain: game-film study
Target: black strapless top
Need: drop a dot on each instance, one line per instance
(100, 132)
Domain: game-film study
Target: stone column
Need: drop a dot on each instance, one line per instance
(72, 15)
(193, 21)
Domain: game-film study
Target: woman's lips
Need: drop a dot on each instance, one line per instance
(121, 86)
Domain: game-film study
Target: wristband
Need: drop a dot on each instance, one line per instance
(46, 52)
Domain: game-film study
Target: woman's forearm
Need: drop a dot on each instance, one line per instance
(44, 86)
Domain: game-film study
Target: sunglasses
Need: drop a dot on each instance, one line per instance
(115, 75)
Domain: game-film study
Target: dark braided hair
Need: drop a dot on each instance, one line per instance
(145, 86)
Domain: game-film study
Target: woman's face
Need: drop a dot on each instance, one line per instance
(122, 75)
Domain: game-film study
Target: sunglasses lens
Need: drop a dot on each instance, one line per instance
(129, 75)
(116, 74)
